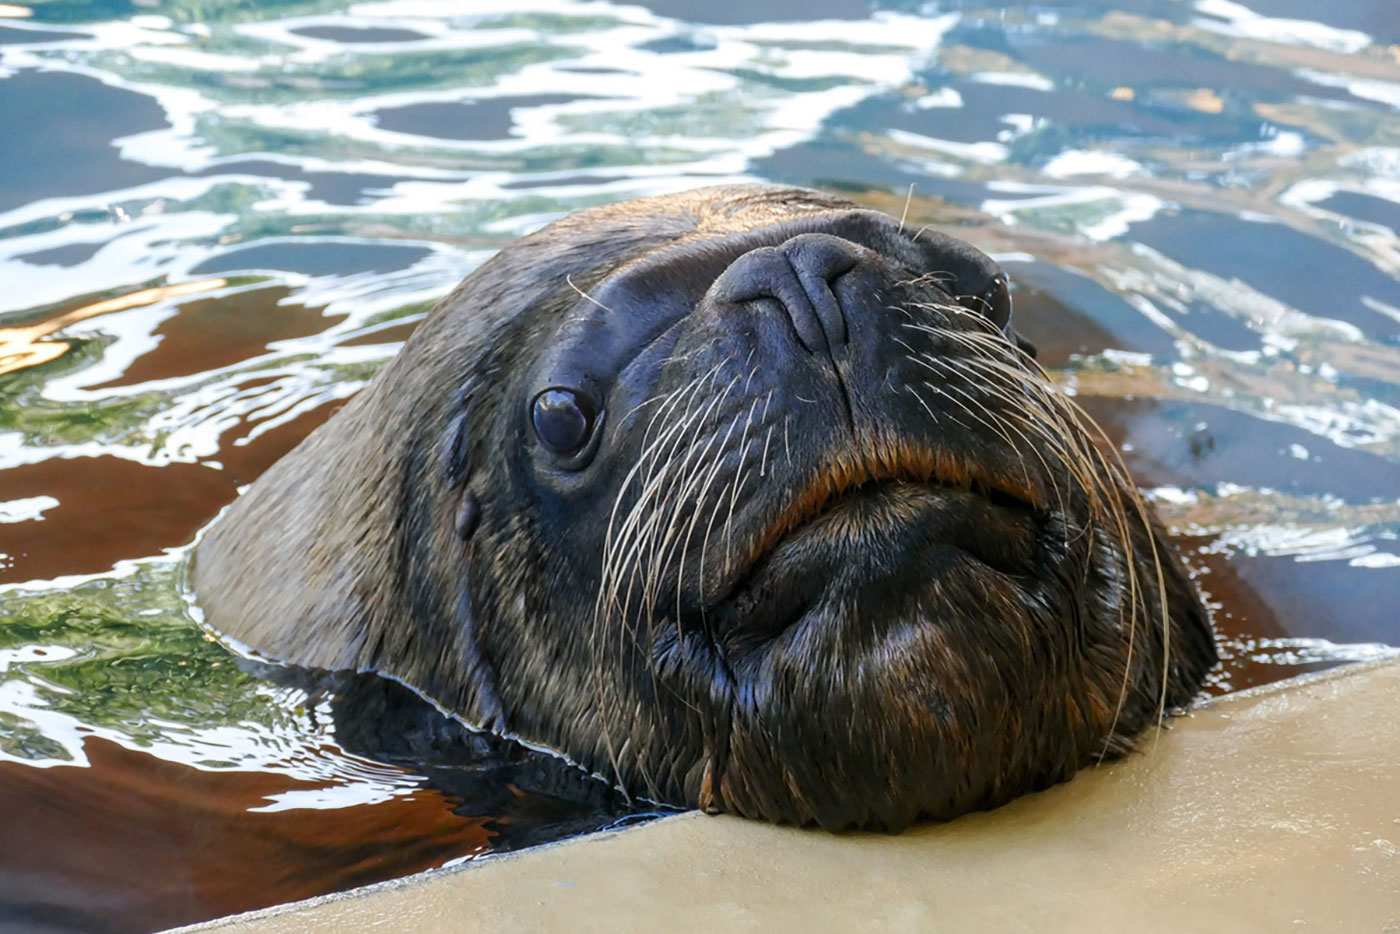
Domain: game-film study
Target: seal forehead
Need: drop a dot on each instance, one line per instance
(545, 271)
(696, 214)
(729, 210)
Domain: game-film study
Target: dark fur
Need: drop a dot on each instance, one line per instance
(911, 651)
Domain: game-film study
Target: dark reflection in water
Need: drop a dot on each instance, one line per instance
(483, 119)
(58, 136)
(148, 509)
(340, 188)
(354, 35)
(1087, 309)
(197, 844)
(1364, 208)
(10, 36)
(1378, 19)
(315, 259)
(209, 334)
(773, 11)
(71, 255)
(218, 220)
(1176, 443)
(1255, 250)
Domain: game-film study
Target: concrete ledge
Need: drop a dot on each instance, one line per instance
(1269, 811)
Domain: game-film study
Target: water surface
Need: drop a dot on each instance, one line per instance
(218, 220)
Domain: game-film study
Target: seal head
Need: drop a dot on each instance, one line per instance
(745, 498)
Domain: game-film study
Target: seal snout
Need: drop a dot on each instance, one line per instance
(799, 276)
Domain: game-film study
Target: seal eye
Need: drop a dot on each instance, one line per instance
(563, 419)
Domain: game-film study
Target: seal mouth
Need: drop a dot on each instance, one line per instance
(875, 464)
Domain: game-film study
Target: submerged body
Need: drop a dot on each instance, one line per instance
(743, 498)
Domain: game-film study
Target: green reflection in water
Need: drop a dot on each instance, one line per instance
(122, 653)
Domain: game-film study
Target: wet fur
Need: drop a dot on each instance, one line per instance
(346, 555)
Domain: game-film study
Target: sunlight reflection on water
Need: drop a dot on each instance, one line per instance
(217, 221)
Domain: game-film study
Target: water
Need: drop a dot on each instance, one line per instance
(217, 220)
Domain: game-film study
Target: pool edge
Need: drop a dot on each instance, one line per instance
(1259, 795)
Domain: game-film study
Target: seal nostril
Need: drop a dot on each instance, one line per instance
(819, 260)
(800, 275)
(821, 257)
(765, 273)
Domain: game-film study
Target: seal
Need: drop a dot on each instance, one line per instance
(746, 499)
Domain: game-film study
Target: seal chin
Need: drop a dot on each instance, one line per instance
(880, 629)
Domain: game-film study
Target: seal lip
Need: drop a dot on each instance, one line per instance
(885, 463)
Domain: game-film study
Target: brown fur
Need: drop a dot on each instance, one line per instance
(349, 554)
